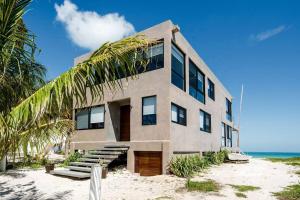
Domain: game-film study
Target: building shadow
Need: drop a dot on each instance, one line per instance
(28, 191)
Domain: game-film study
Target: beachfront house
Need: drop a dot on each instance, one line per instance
(176, 106)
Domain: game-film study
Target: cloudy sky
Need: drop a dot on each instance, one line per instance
(255, 43)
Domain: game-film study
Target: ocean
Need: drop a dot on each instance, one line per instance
(272, 154)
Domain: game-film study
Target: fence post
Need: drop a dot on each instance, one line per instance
(95, 183)
(3, 164)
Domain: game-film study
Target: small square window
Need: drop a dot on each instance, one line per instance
(178, 114)
(205, 121)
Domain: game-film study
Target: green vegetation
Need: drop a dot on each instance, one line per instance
(291, 192)
(71, 158)
(244, 188)
(187, 166)
(297, 172)
(203, 186)
(163, 198)
(34, 113)
(35, 165)
(241, 195)
(295, 161)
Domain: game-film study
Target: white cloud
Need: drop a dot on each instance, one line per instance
(269, 33)
(89, 29)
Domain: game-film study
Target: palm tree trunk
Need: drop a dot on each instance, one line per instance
(3, 164)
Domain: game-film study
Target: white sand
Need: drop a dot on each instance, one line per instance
(36, 184)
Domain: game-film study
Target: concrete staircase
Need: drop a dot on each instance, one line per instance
(82, 168)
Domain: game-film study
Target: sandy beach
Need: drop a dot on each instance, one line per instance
(121, 184)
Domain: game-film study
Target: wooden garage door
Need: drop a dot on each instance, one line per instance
(148, 163)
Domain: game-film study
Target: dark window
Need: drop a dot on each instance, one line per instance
(156, 57)
(149, 110)
(229, 136)
(211, 89)
(89, 118)
(82, 118)
(178, 68)
(205, 121)
(228, 110)
(196, 79)
(178, 114)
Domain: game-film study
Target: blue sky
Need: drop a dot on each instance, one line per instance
(255, 43)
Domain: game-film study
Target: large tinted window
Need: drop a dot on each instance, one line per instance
(211, 89)
(205, 121)
(89, 118)
(149, 110)
(155, 54)
(82, 119)
(178, 74)
(228, 110)
(178, 114)
(97, 117)
(196, 80)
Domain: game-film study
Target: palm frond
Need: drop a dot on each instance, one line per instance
(73, 83)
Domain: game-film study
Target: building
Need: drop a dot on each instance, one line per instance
(178, 106)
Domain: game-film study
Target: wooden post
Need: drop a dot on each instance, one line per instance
(3, 164)
(95, 183)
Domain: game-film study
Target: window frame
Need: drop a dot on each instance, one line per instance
(209, 85)
(89, 117)
(145, 124)
(161, 41)
(185, 114)
(184, 67)
(228, 110)
(197, 89)
(223, 126)
(204, 120)
(228, 133)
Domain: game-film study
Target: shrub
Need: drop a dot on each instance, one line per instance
(72, 158)
(216, 158)
(187, 166)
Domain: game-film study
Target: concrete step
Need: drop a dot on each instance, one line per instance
(82, 164)
(97, 152)
(116, 146)
(96, 161)
(86, 164)
(89, 160)
(114, 149)
(110, 157)
(80, 169)
(69, 173)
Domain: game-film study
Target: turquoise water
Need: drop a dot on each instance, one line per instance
(272, 154)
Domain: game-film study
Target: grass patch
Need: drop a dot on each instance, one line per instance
(240, 195)
(163, 198)
(297, 172)
(294, 161)
(291, 192)
(244, 188)
(203, 186)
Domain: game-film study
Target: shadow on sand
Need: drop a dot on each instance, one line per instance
(28, 191)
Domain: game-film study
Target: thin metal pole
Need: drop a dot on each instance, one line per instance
(239, 124)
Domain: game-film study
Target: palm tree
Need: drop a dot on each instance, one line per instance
(49, 101)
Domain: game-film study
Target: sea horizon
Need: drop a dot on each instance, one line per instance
(264, 154)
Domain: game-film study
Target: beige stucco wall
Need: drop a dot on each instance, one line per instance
(164, 136)
(190, 138)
